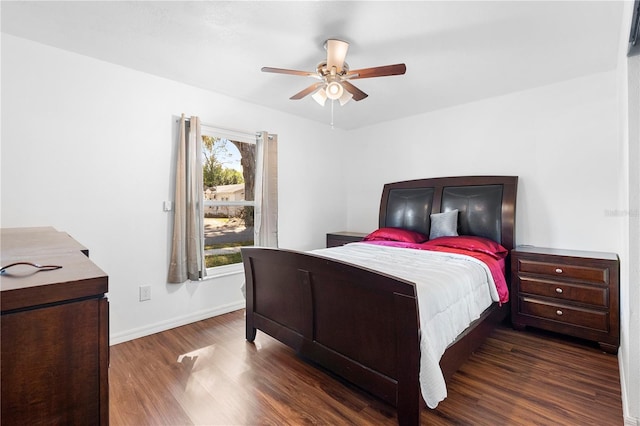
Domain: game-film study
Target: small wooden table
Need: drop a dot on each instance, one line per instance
(341, 238)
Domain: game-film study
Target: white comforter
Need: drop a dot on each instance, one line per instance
(452, 291)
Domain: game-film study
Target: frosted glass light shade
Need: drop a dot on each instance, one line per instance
(320, 96)
(346, 97)
(334, 90)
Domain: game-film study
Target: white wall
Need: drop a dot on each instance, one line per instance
(630, 353)
(628, 74)
(630, 331)
(79, 134)
(561, 140)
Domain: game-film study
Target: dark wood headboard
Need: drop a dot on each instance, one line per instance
(486, 205)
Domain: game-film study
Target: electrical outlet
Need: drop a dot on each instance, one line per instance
(145, 292)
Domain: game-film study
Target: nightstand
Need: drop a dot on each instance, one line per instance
(341, 238)
(567, 291)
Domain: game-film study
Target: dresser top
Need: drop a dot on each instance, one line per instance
(19, 242)
(24, 286)
(349, 234)
(566, 253)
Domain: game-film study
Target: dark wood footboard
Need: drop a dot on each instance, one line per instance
(357, 323)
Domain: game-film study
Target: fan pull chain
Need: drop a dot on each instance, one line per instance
(332, 102)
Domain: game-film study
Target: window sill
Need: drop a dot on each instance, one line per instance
(223, 271)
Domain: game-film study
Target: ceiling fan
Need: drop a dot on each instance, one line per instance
(334, 75)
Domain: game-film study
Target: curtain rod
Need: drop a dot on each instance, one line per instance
(223, 129)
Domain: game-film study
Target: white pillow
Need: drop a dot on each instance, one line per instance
(444, 224)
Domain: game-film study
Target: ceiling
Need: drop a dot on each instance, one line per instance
(455, 52)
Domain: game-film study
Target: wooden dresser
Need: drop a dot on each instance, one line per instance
(55, 331)
(567, 291)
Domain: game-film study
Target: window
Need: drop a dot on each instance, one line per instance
(228, 171)
(241, 174)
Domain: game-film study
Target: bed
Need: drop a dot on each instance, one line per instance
(362, 324)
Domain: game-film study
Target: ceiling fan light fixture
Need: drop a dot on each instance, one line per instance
(334, 90)
(346, 97)
(334, 76)
(320, 96)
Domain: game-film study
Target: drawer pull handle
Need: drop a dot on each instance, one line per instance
(559, 270)
(559, 290)
(558, 312)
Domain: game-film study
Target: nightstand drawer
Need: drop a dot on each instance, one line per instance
(551, 269)
(596, 320)
(597, 296)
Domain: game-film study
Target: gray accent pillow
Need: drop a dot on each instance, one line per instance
(444, 224)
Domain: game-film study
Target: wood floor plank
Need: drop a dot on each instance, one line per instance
(206, 373)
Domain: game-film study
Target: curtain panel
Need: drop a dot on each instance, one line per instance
(266, 191)
(187, 248)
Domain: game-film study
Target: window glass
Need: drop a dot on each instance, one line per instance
(228, 170)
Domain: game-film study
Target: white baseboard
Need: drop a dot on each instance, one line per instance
(628, 419)
(136, 333)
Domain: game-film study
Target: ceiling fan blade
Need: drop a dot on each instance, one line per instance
(383, 71)
(358, 94)
(301, 94)
(336, 54)
(286, 71)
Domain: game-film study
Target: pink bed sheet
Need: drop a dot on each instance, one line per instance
(496, 266)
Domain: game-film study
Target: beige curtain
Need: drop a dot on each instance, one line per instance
(266, 191)
(187, 248)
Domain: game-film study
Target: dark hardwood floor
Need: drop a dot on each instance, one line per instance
(207, 374)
